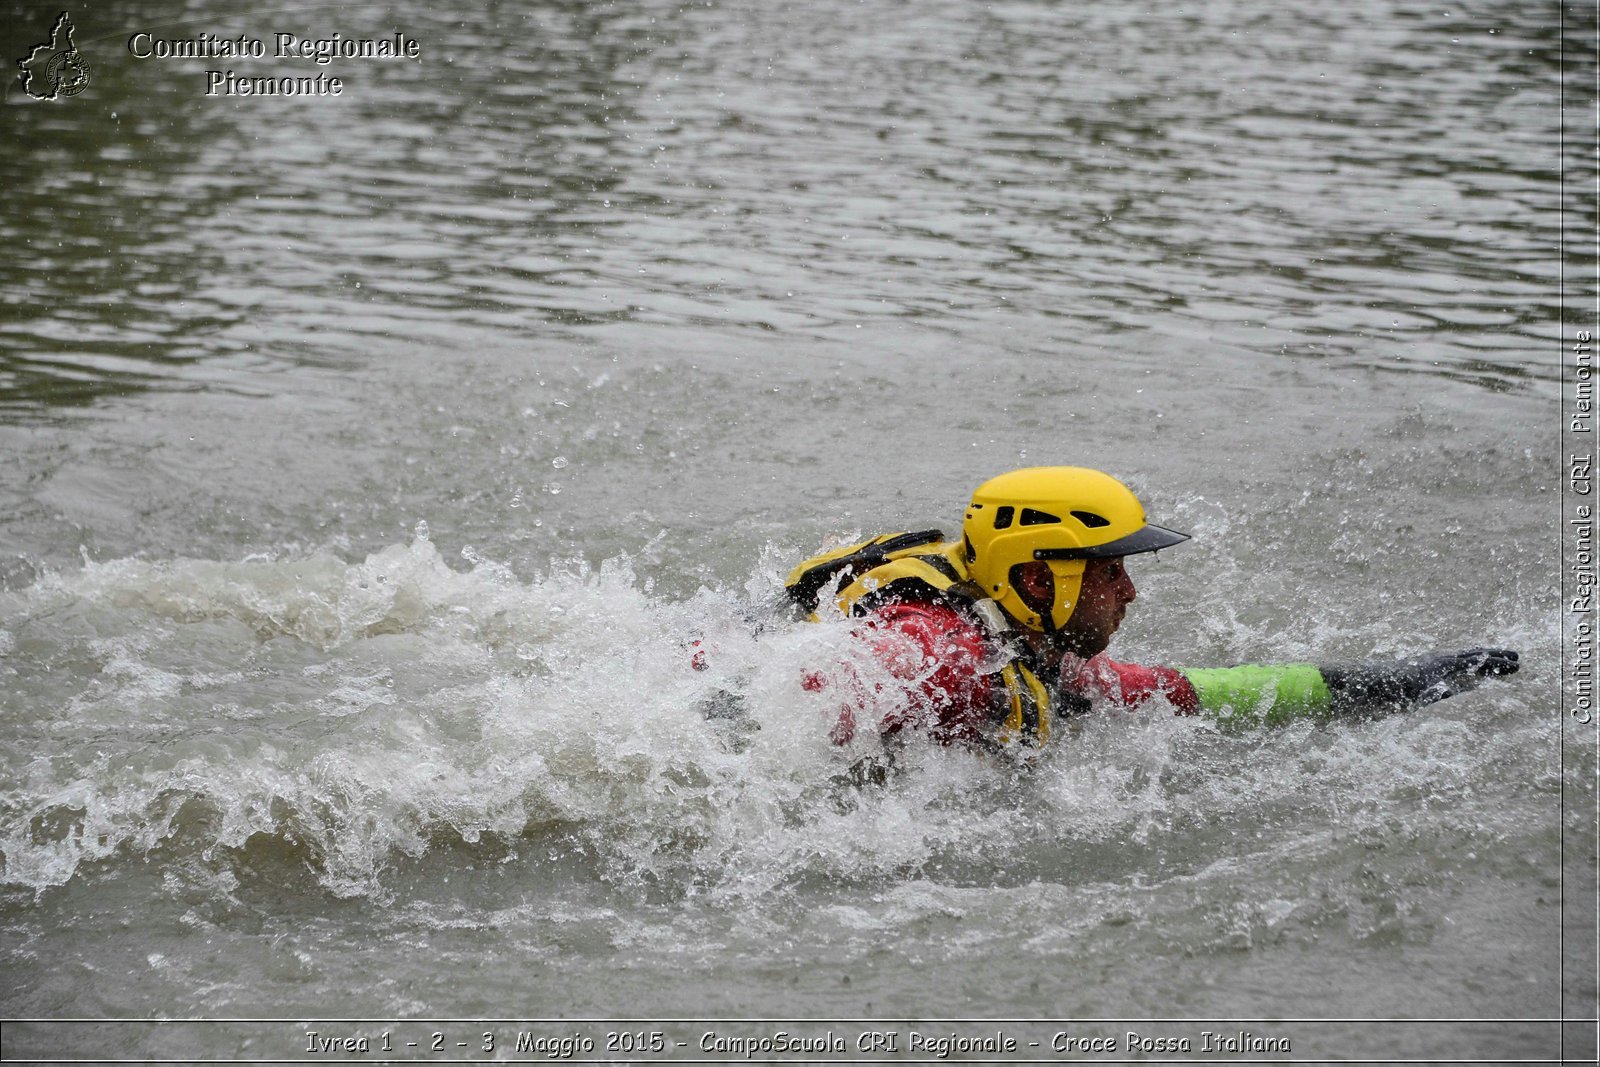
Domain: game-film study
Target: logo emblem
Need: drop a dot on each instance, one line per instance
(55, 68)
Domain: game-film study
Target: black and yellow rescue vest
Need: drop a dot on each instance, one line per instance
(923, 568)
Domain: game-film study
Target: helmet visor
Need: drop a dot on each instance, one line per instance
(1146, 539)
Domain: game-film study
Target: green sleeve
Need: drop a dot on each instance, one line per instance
(1253, 694)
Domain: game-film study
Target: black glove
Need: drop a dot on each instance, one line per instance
(1411, 683)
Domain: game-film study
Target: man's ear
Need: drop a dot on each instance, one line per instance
(1035, 584)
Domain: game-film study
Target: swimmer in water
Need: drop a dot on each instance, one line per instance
(1001, 634)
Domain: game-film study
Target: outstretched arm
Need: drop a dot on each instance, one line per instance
(1277, 694)
(1272, 694)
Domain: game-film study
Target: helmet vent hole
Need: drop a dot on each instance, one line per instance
(1090, 519)
(1002, 516)
(1030, 517)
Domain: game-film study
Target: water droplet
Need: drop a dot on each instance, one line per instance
(420, 531)
(559, 462)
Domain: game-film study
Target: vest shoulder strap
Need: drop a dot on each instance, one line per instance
(1027, 706)
(806, 582)
(923, 578)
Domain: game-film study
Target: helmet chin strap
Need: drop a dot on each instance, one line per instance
(1064, 591)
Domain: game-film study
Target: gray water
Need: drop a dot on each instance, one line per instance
(370, 459)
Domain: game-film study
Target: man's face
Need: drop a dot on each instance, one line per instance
(1103, 600)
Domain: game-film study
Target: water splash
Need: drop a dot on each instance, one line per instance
(351, 717)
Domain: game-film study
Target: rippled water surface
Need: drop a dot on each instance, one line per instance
(370, 460)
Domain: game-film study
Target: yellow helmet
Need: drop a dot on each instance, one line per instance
(1062, 515)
